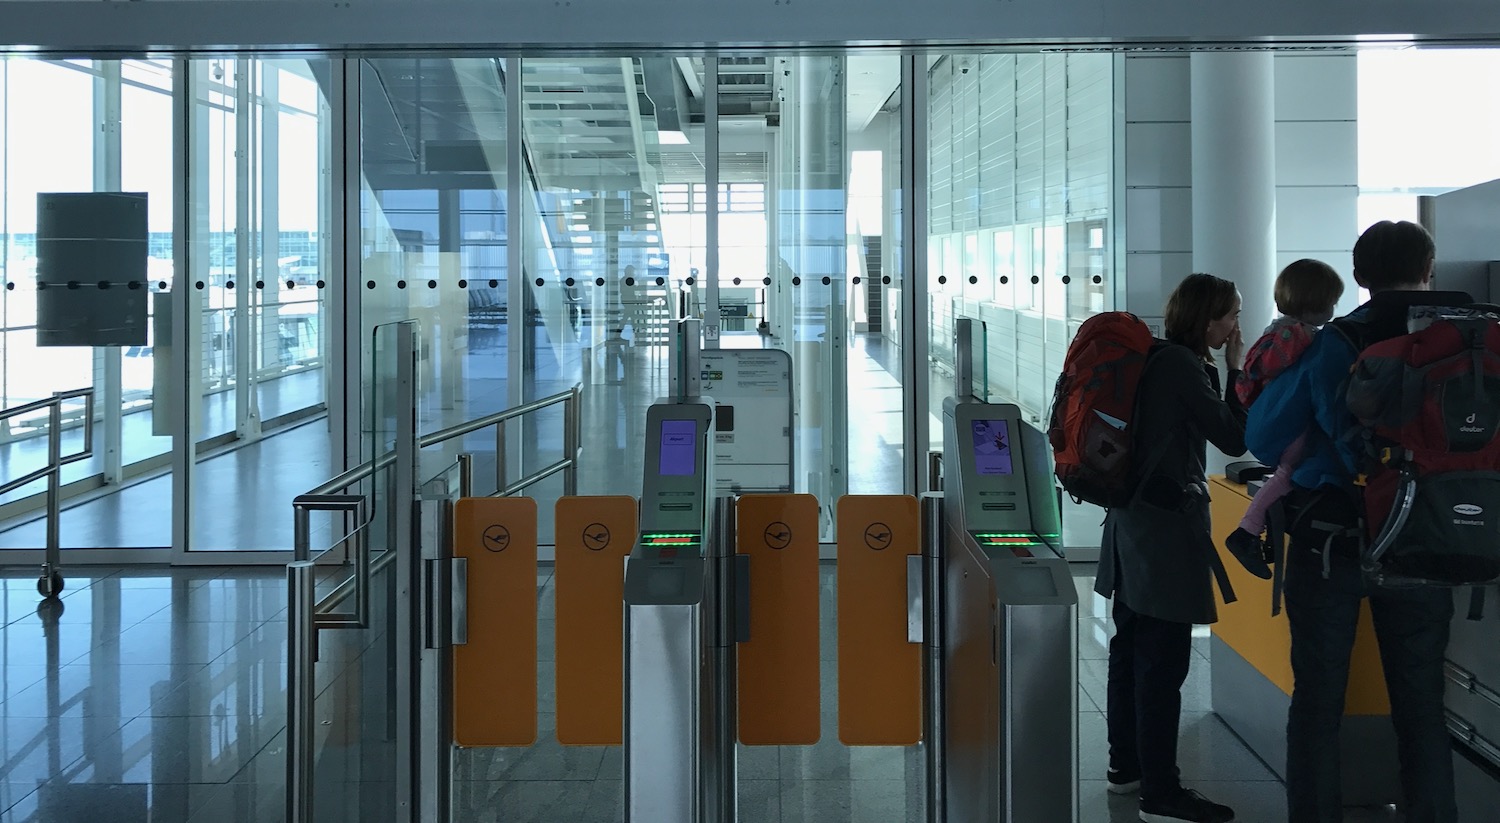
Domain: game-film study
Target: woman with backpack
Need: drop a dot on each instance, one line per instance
(1158, 558)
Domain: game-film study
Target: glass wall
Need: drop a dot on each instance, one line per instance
(1021, 148)
(259, 133)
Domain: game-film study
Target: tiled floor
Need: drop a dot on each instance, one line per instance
(159, 695)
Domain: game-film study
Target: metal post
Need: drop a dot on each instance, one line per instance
(719, 773)
(500, 458)
(466, 475)
(932, 655)
(570, 443)
(302, 639)
(934, 471)
(54, 499)
(302, 533)
(408, 568)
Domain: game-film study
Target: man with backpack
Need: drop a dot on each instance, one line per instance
(1325, 582)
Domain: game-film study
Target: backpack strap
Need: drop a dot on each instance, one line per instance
(1476, 603)
(1276, 536)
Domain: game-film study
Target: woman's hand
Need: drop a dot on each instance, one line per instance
(1234, 349)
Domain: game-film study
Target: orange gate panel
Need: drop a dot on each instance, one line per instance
(880, 670)
(494, 674)
(594, 536)
(778, 665)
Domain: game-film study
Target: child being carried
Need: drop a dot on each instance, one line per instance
(1307, 292)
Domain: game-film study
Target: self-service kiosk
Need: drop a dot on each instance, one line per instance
(679, 667)
(1010, 628)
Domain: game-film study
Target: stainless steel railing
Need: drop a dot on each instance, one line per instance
(50, 584)
(307, 613)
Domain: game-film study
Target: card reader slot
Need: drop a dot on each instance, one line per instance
(999, 507)
(675, 507)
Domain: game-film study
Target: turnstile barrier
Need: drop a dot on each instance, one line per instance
(778, 664)
(880, 621)
(594, 536)
(495, 670)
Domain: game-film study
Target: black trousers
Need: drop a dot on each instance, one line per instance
(1148, 663)
(1411, 628)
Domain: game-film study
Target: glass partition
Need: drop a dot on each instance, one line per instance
(1021, 153)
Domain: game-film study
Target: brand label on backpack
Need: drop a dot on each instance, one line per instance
(1468, 510)
(1470, 426)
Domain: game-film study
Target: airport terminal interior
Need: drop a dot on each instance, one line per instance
(330, 538)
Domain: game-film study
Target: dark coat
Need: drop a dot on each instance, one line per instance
(1156, 552)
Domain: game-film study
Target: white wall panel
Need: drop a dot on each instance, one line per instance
(1317, 153)
(1159, 220)
(1158, 154)
(1316, 87)
(1151, 276)
(1316, 218)
(1156, 89)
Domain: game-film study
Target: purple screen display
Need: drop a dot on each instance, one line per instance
(991, 447)
(678, 447)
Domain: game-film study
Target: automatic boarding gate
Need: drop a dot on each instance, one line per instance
(1010, 629)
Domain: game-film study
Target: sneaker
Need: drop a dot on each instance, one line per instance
(1122, 782)
(1250, 550)
(1187, 806)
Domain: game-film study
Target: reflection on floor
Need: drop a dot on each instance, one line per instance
(159, 695)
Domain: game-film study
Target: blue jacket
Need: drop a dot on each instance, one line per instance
(1309, 395)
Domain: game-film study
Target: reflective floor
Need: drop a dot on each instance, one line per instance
(158, 695)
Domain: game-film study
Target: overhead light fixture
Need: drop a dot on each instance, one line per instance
(672, 137)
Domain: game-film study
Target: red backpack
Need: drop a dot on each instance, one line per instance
(1428, 404)
(1093, 406)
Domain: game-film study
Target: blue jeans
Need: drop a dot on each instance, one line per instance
(1411, 628)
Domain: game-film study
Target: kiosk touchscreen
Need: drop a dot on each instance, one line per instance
(1004, 490)
(674, 502)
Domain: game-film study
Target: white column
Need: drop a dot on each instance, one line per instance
(1234, 176)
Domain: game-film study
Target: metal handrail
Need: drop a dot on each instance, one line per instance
(331, 497)
(49, 585)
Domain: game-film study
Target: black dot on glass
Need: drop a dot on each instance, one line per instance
(540, 282)
(463, 284)
(400, 284)
(198, 285)
(229, 284)
(630, 281)
(370, 284)
(494, 284)
(765, 281)
(1035, 280)
(431, 284)
(260, 284)
(135, 284)
(291, 284)
(103, 284)
(942, 279)
(691, 281)
(973, 280)
(322, 284)
(41, 286)
(796, 281)
(569, 282)
(856, 280)
(1098, 280)
(886, 280)
(598, 281)
(162, 286)
(72, 284)
(12, 286)
(1066, 279)
(827, 281)
(661, 281)
(1004, 279)
(736, 281)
